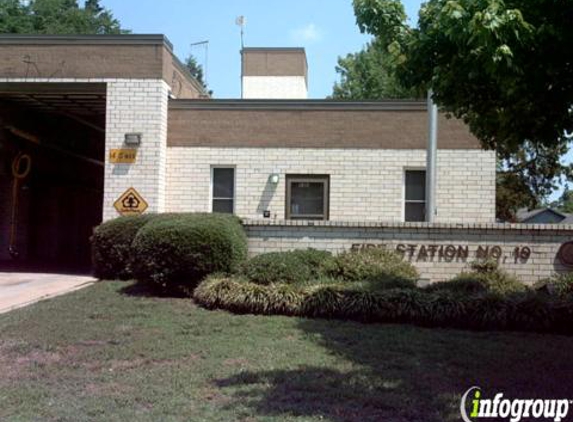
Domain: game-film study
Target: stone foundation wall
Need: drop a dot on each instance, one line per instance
(439, 251)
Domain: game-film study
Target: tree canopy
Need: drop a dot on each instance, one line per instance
(368, 75)
(196, 71)
(504, 67)
(56, 17)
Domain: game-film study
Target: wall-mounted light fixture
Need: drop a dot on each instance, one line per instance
(274, 178)
(133, 139)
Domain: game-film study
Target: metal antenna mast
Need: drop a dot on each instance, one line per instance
(206, 65)
(242, 21)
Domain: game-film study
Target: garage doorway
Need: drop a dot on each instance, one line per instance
(52, 140)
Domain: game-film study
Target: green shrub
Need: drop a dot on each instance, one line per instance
(560, 285)
(320, 262)
(375, 265)
(111, 246)
(292, 267)
(180, 250)
(486, 277)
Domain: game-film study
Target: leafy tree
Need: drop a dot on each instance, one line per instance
(565, 202)
(56, 17)
(196, 71)
(368, 75)
(504, 67)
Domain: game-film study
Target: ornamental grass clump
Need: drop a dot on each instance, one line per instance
(559, 285)
(526, 311)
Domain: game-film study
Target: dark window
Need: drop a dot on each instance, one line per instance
(223, 181)
(307, 197)
(415, 207)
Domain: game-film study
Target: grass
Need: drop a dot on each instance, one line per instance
(108, 353)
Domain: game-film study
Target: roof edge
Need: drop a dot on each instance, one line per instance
(285, 49)
(183, 69)
(106, 39)
(239, 104)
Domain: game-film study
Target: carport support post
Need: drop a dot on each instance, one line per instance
(431, 159)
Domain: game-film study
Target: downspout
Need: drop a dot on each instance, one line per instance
(431, 160)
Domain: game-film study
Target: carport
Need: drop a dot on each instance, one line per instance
(69, 106)
(52, 152)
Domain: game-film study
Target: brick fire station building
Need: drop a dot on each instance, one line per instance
(87, 121)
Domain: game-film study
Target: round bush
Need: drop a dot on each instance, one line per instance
(179, 251)
(292, 267)
(111, 246)
(375, 265)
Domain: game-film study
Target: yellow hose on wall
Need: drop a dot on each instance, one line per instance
(21, 167)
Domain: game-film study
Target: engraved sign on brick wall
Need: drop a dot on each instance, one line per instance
(450, 253)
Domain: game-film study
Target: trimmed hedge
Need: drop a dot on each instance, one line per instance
(111, 246)
(181, 250)
(292, 267)
(523, 311)
(375, 265)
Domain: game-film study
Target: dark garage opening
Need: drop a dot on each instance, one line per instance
(59, 131)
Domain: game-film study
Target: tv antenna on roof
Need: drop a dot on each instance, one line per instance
(241, 21)
(206, 63)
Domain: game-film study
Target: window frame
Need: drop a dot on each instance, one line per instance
(405, 201)
(212, 186)
(308, 178)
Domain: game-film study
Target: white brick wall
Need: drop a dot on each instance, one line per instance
(365, 185)
(137, 106)
(274, 87)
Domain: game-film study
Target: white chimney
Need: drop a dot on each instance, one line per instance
(274, 73)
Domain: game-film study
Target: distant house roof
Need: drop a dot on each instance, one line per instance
(568, 220)
(543, 216)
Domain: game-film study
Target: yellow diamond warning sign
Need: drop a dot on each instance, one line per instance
(130, 203)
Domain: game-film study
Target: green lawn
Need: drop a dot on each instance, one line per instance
(107, 353)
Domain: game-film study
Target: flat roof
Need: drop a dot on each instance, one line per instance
(282, 49)
(315, 104)
(105, 39)
(132, 56)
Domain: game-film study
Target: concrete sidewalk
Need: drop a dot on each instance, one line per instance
(22, 289)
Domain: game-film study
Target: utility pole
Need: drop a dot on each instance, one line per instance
(431, 160)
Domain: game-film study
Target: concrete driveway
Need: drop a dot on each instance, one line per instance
(21, 289)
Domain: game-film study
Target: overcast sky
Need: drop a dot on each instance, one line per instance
(326, 28)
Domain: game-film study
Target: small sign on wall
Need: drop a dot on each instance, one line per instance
(122, 156)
